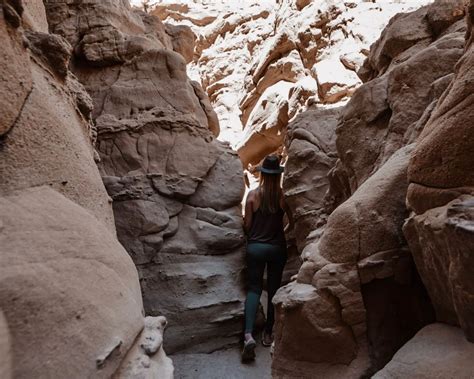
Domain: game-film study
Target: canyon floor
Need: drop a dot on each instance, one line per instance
(222, 364)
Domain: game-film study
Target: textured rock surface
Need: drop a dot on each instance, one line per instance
(334, 302)
(360, 267)
(277, 53)
(5, 349)
(437, 351)
(176, 190)
(390, 110)
(64, 293)
(147, 359)
(441, 229)
(67, 286)
(46, 126)
(311, 150)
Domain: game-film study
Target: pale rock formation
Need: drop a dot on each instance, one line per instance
(436, 351)
(67, 286)
(176, 190)
(441, 228)
(147, 359)
(243, 49)
(267, 124)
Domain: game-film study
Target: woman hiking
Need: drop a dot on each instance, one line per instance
(266, 246)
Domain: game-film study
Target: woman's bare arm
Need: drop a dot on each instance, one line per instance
(286, 208)
(248, 211)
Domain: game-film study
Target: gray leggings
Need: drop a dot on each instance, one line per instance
(260, 255)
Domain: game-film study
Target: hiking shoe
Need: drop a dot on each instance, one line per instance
(267, 339)
(248, 353)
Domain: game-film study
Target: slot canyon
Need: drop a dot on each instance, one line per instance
(130, 134)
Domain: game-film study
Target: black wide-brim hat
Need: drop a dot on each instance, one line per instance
(271, 165)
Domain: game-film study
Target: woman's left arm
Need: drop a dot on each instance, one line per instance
(289, 227)
(248, 212)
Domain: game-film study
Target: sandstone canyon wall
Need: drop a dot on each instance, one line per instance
(69, 293)
(261, 62)
(176, 190)
(358, 296)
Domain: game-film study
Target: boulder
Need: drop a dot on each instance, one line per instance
(311, 153)
(436, 351)
(62, 292)
(147, 358)
(441, 240)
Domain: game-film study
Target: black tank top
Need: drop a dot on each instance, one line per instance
(267, 228)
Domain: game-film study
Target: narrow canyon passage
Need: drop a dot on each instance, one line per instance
(130, 133)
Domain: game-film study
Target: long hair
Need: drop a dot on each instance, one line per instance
(270, 192)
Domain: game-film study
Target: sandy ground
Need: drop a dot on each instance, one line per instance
(222, 364)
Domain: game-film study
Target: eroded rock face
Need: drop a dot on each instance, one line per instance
(361, 251)
(5, 349)
(251, 58)
(390, 110)
(50, 294)
(311, 149)
(441, 228)
(147, 358)
(176, 190)
(436, 351)
(67, 286)
(361, 266)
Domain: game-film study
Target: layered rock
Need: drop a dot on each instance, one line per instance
(176, 190)
(357, 269)
(360, 270)
(311, 149)
(436, 351)
(441, 195)
(265, 60)
(67, 286)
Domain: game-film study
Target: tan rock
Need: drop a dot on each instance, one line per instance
(5, 349)
(34, 16)
(360, 254)
(182, 38)
(334, 80)
(62, 292)
(398, 99)
(311, 154)
(288, 68)
(266, 127)
(160, 162)
(440, 192)
(147, 358)
(448, 277)
(436, 351)
(15, 78)
(57, 151)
